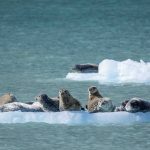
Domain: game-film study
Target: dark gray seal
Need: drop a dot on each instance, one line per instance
(47, 103)
(97, 103)
(137, 105)
(85, 68)
(67, 102)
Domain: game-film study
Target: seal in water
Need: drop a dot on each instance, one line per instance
(7, 98)
(137, 105)
(97, 103)
(44, 103)
(67, 102)
(85, 68)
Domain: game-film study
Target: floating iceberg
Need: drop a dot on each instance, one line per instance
(111, 71)
(75, 118)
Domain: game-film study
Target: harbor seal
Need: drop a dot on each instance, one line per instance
(97, 103)
(7, 98)
(85, 68)
(47, 103)
(67, 102)
(137, 105)
(43, 104)
(94, 93)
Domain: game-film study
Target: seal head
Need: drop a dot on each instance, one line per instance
(94, 93)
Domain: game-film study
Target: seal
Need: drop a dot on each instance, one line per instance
(43, 104)
(67, 102)
(97, 103)
(47, 103)
(94, 93)
(85, 68)
(137, 105)
(7, 98)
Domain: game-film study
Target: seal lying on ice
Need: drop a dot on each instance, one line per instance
(134, 105)
(137, 105)
(44, 103)
(85, 68)
(97, 103)
(47, 103)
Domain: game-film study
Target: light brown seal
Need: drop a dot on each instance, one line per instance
(7, 98)
(97, 103)
(67, 102)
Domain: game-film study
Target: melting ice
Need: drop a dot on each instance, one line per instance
(111, 71)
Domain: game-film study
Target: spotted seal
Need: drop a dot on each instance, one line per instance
(85, 68)
(97, 103)
(47, 103)
(137, 105)
(67, 102)
(7, 98)
(43, 104)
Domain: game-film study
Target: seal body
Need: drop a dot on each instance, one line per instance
(7, 98)
(97, 103)
(18, 106)
(137, 105)
(85, 68)
(47, 103)
(67, 102)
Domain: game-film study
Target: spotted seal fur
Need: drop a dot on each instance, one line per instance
(47, 103)
(97, 103)
(137, 105)
(67, 102)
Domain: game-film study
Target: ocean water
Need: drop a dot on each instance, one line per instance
(41, 40)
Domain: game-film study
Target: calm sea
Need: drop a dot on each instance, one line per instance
(40, 40)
